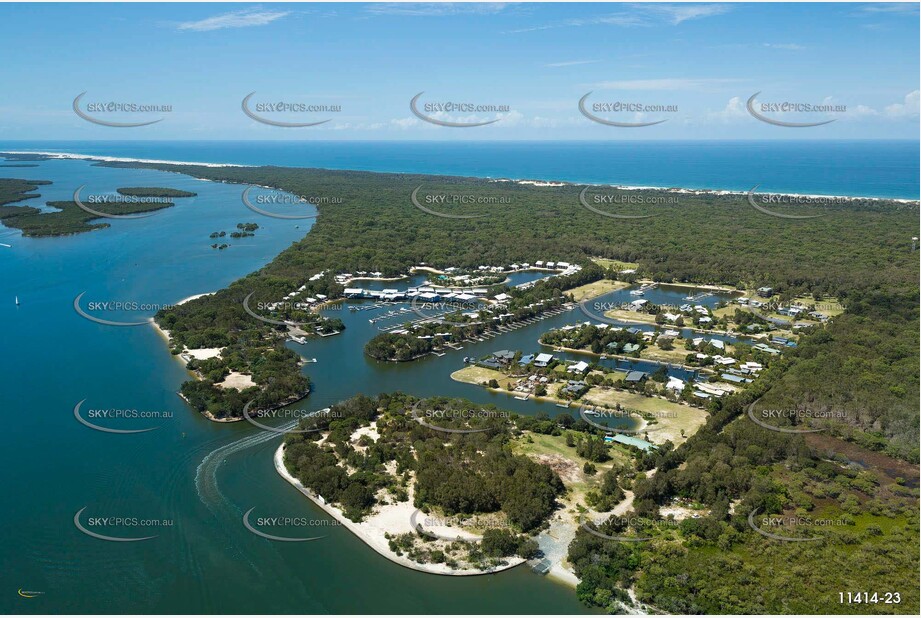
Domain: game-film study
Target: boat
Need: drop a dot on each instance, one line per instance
(17, 301)
(637, 292)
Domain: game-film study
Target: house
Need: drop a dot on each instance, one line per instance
(580, 367)
(765, 348)
(671, 317)
(705, 320)
(765, 292)
(638, 304)
(542, 360)
(672, 333)
(675, 384)
(526, 360)
(635, 377)
(734, 378)
(633, 441)
(630, 348)
(504, 356)
(716, 343)
(575, 388)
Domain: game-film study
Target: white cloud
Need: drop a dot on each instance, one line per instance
(790, 46)
(909, 107)
(734, 110)
(640, 15)
(405, 123)
(569, 63)
(677, 13)
(891, 7)
(235, 19)
(427, 9)
(674, 83)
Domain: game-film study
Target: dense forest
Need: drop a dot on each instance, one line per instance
(859, 252)
(863, 363)
(717, 564)
(455, 474)
(69, 218)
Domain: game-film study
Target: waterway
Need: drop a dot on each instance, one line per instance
(194, 477)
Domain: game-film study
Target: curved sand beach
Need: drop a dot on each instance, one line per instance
(393, 519)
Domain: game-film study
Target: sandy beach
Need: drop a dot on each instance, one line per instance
(393, 519)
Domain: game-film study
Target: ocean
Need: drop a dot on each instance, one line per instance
(864, 168)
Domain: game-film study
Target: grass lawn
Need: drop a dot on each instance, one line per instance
(596, 288)
(671, 417)
(615, 264)
(676, 355)
(830, 305)
(630, 316)
(552, 450)
(471, 374)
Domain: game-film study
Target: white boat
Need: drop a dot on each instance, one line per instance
(637, 293)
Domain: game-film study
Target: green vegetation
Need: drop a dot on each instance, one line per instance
(463, 476)
(16, 190)
(718, 564)
(68, 218)
(859, 254)
(420, 339)
(154, 192)
(863, 363)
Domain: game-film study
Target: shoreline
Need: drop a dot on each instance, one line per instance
(374, 538)
(537, 183)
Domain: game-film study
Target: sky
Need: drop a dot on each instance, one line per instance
(697, 64)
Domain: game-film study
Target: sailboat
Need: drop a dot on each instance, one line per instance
(17, 301)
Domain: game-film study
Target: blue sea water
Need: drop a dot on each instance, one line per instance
(864, 168)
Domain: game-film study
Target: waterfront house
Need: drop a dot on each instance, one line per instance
(635, 377)
(633, 441)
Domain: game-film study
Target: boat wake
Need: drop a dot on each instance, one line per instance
(206, 474)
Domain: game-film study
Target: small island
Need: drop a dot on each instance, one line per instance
(71, 218)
